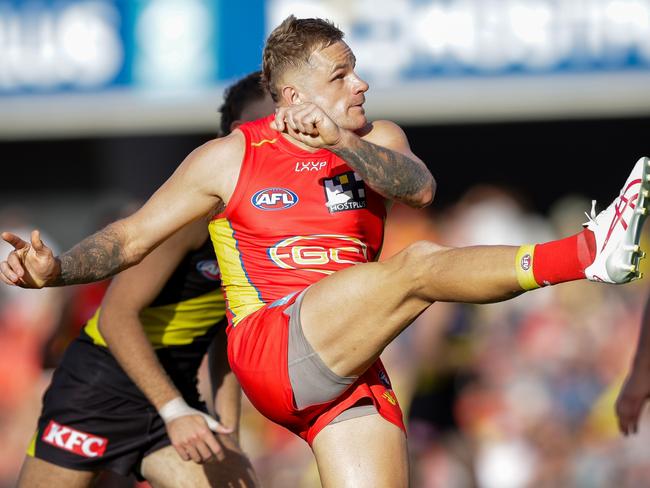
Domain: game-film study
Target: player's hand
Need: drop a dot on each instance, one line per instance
(29, 265)
(307, 123)
(191, 431)
(631, 400)
(193, 439)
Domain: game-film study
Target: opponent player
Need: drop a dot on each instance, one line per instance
(302, 196)
(94, 416)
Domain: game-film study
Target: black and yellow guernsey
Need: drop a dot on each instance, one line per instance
(92, 397)
(182, 320)
(187, 307)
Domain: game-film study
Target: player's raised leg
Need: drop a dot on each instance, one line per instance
(350, 316)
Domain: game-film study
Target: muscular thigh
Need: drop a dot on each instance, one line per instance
(362, 452)
(351, 316)
(37, 473)
(165, 469)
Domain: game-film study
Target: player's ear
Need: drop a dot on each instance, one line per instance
(290, 96)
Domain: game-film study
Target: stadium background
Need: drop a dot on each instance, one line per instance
(525, 110)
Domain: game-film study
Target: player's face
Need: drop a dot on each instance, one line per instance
(330, 82)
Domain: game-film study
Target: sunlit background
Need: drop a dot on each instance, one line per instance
(525, 111)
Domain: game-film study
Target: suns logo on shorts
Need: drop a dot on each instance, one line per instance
(321, 253)
(209, 268)
(390, 397)
(274, 199)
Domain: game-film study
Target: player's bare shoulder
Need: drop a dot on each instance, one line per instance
(384, 133)
(217, 163)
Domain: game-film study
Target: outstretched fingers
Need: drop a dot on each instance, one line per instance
(15, 264)
(11, 270)
(14, 240)
(37, 243)
(6, 275)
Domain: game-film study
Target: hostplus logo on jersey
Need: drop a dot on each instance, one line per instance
(69, 439)
(274, 199)
(209, 268)
(345, 192)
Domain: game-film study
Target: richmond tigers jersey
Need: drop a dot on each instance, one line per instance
(295, 217)
(187, 307)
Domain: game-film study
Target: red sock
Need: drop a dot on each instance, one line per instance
(564, 260)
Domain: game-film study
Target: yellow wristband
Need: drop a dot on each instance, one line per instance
(524, 267)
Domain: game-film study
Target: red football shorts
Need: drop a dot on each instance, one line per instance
(257, 351)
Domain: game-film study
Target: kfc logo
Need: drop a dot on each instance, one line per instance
(81, 443)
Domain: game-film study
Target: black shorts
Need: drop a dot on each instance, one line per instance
(95, 418)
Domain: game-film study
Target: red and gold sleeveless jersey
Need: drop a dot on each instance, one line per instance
(295, 217)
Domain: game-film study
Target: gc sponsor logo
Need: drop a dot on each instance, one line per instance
(318, 252)
(69, 439)
(274, 199)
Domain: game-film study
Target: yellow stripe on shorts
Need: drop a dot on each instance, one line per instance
(31, 449)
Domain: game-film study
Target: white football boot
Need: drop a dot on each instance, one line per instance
(618, 230)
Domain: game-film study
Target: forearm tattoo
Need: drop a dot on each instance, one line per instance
(388, 172)
(95, 258)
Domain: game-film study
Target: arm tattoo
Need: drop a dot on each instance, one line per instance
(388, 172)
(95, 258)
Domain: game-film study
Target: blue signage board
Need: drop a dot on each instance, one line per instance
(51, 46)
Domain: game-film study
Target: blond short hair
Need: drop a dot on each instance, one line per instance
(291, 44)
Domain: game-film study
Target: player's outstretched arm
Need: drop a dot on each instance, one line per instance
(120, 325)
(636, 389)
(191, 192)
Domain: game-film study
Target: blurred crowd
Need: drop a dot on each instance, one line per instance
(517, 394)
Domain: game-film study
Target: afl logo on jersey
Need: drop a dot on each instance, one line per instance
(274, 199)
(209, 269)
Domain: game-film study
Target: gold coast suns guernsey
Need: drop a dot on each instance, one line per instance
(189, 305)
(295, 217)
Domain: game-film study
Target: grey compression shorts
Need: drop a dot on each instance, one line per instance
(311, 380)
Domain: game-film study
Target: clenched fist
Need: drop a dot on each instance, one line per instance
(307, 123)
